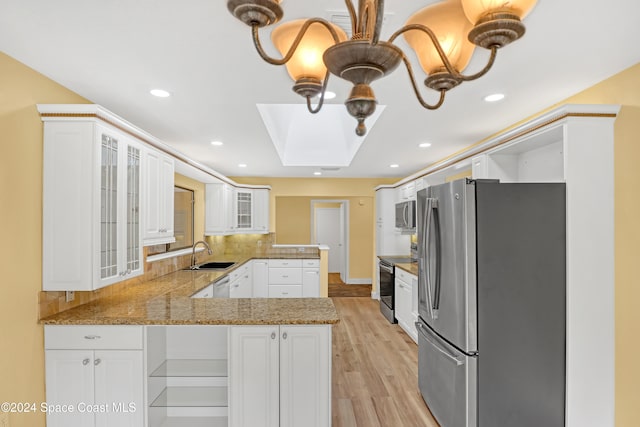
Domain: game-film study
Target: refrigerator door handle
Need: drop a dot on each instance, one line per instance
(437, 346)
(438, 254)
(425, 247)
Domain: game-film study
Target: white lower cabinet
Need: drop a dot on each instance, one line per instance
(310, 282)
(240, 285)
(294, 278)
(94, 376)
(280, 376)
(260, 278)
(404, 302)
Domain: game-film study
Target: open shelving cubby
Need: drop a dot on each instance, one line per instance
(538, 157)
(187, 376)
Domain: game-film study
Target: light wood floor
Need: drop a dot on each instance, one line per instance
(375, 370)
(337, 288)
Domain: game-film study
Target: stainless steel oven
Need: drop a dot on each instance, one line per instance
(386, 280)
(387, 292)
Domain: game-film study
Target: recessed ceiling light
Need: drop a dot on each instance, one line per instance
(327, 95)
(424, 145)
(217, 143)
(242, 165)
(394, 166)
(160, 93)
(317, 173)
(494, 97)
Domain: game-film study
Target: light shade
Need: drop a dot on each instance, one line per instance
(476, 9)
(307, 59)
(450, 25)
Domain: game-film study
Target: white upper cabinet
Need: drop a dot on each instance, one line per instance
(91, 206)
(218, 209)
(261, 210)
(158, 183)
(231, 210)
(406, 192)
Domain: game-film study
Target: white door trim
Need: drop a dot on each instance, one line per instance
(344, 206)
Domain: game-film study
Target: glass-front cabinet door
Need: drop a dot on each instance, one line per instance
(244, 209)
(132, 232)
(120, 242)
(108, 207)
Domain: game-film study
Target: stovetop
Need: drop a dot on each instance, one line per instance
(393, 260)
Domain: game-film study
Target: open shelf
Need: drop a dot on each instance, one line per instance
(195, 422)
(192, 368)
(192, 397)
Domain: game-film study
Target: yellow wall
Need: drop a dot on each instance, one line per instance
(291, 212)
(293, 226)
(21, 338)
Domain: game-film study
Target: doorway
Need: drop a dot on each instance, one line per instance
(329, 226)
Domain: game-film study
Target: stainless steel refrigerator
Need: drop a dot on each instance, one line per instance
(491, 342)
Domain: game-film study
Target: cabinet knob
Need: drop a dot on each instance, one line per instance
(284, 336)
(85, 362)
(273, 335)
(97, 362)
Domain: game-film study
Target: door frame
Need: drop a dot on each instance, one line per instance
(344, 222)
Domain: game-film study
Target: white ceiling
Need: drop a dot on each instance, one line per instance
(113, 52)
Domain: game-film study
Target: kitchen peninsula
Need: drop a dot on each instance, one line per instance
(179, 360)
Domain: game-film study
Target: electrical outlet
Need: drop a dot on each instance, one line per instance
(69, 296)
(4, 419)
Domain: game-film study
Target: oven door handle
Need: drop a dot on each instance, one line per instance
(386, 268)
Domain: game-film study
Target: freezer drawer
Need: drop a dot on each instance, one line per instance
(447, 379)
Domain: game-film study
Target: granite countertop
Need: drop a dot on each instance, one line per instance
(167, 301)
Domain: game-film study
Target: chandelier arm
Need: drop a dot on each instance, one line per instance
(415, 87)
(296, 42)
(352, 15)
(366, 22)
(443, 56)
(378, 25)
(321, 101)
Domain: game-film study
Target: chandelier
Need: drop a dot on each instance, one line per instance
(443, 36)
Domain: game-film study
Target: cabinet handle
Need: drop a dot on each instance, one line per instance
(97, 362)
(92, 337)
(284, 336)
(284, 276)
(85, 362)
(273, 335)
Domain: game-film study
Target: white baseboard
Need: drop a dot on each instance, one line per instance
(358, 281)
(375, 295)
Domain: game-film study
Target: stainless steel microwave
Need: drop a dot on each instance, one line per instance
(406, 215)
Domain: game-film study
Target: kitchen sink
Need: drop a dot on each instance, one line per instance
(220, 265)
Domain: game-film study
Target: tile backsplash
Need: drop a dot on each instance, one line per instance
(246, 245)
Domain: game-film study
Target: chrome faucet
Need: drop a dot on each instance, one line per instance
(193, 252)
